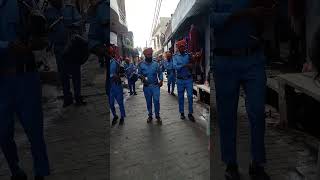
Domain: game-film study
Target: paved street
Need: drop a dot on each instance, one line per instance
(288, 154)
(177, 150)
(76, 136)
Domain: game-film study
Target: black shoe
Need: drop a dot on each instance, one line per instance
(159, 121)
(149, 119)
(182, 116)
(135, 93)
(173, 94)
(67, 103)
(115, 120)
(257, 172)
(121, 121)
(80, 102)
(232, 173)
(39, 178)
(191, 118)
(19, 177)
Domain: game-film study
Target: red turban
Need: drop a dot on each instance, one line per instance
(111, 51)
(181, 43)
(148, 50)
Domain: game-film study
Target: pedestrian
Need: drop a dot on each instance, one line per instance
(20, 91)
(171, 73)
(152, 77)
(131, 74)
(239, 61)
(116, 89)
(98, 35)
(161, 62)
(59, 36)
(182, 62)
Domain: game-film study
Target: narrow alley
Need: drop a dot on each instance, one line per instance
(176, 150)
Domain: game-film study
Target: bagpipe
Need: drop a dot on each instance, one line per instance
(133, 74)
(121, 70)
(36, 24)
(35, 31)
(76, 50)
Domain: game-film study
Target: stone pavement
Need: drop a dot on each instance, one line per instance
(177, 150)
(76, 137)
(288, 154)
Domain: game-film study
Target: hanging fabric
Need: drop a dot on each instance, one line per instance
(193, 40)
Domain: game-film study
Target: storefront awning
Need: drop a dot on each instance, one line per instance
(185, 10)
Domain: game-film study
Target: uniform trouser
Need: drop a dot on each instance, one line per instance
(116, 94)
(21, 95)
(152, 93)
(230, 73)
(101, 61)
(185, 85)
(132, 86)
(107, 86)
(65, 71)
(171, 83)
(73, 70)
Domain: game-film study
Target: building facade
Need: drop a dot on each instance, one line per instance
(195, 14)
(158, 35)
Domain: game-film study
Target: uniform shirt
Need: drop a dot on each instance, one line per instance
(114, 68)
(161, 65)
(61, 31)
(130, 69)
(151, 71)
(179, 60)
(9, 17)
(238, 34)
(98, 31)
(169, 67)
(11, 29)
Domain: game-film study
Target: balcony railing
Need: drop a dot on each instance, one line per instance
(122, 17)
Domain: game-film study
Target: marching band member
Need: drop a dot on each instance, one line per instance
(182, 64)
(152, 78)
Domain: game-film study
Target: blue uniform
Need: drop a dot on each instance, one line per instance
(99, 32)
(59, 36)
(232, 71)
(20, 94)
(116, 90)
(162, 65)
(171, 72)
(151, 88)
(184, 80)
(131, 70)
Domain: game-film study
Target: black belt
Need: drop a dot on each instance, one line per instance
(19, 69)
(147, 84)
(235, 51)
(184, 78)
